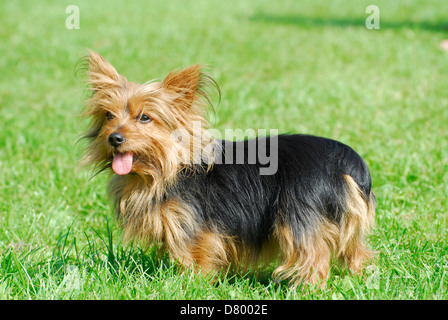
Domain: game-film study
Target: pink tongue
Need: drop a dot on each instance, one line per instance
(122, 163)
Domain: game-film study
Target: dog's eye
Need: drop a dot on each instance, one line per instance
(144, 118)
(109, 116)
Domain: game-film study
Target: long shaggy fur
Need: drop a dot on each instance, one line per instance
(211, 215)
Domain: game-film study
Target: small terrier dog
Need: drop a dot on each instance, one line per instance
(206, 200)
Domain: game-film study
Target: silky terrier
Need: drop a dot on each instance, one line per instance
(299, 201)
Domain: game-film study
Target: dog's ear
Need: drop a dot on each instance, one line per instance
(101, 73)
(186, 84)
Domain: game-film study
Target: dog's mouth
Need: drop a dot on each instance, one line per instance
(122, 163)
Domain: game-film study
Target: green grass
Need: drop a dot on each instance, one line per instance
(309, 67)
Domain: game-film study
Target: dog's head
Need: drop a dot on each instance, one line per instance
(149, 129)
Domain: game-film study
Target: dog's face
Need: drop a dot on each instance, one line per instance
(132, 125)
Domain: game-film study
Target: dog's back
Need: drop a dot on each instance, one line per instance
(317, 202)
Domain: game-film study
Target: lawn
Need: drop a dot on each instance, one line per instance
(295, 66)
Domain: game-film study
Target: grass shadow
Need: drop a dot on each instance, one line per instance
(307, 22)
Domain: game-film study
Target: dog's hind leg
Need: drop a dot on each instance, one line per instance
(306, 260)
(354, 226)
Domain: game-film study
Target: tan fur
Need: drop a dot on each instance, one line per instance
(355, 225)
(309, 259)
(212, 252)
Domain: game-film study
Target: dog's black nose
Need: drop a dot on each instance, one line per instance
(116, 139)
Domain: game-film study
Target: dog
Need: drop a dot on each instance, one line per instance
(208, 201)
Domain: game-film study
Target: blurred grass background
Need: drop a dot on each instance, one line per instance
(296, 66)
